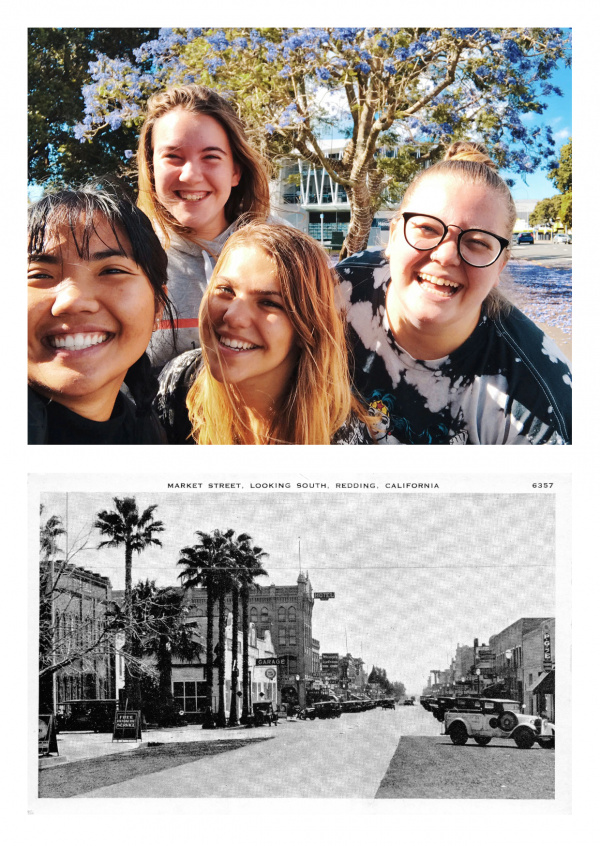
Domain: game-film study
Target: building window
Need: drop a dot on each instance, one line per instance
(190, 696)
(292, 614)
(254, 615)
(282, 635)
(292, 637)
(281, 614)
(264, 616)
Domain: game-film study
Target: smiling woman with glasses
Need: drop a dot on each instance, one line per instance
(455, 362)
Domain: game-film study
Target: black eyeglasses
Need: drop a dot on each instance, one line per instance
(475, 246)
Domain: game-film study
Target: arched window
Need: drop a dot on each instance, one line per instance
(264, 616)
(292, 614)
(281, 614)
(254, 615)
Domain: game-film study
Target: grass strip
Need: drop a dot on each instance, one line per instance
(73, 779)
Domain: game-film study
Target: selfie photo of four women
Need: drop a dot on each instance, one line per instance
(196, 315)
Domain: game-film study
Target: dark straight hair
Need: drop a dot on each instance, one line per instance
(79, 211)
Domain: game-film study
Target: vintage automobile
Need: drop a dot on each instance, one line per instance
(482, 719)
(409, 701)
(441, 705)
(387, 703)
(262, 712)
(325, 710)
(86, 715)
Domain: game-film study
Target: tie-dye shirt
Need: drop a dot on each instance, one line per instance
(507, 384)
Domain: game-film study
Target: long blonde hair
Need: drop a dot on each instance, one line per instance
(319, 399)
(250, 197)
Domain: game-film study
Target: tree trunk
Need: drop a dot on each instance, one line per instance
(132, 696)
(221, 713)
(46, 638)
(362, 212)
(210, 601)
(245, 662)
(233, 710)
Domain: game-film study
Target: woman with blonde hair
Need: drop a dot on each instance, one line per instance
(273, 365)
(452, 361)
(197, 175)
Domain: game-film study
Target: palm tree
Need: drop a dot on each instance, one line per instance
(126, 527)
(209, 564)
(162, 629)
(236, 583)
(249, 560)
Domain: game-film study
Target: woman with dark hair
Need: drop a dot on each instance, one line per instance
(197, 176)
(455, 360)
(96, 288)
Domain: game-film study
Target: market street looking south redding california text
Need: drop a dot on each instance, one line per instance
(412, 637)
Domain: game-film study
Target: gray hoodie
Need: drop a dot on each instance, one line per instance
(189, 270)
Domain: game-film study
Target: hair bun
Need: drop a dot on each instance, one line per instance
(469, 151)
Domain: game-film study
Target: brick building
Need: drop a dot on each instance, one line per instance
(281, 618)
(508, 648)
(80, 601)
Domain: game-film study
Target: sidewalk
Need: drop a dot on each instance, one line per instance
(81, 745)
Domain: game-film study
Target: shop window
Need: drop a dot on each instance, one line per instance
(190, 696)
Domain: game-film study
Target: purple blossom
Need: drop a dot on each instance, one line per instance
(129, 154)
(323, 74)
(344, 34)
(389, 67)
(271, 53)
(218, 41)
(285, 72)
(362, 67)
(213, 63)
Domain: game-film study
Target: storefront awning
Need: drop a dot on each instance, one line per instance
(543, 683)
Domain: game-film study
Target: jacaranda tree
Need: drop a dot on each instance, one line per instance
(411, 89)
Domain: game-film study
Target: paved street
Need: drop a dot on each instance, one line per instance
(543, 252)
(345, 758)
(376, 754)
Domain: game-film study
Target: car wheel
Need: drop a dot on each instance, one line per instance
(546, 742)
(482, 741)
(524, 739)
(458, 734)
(508, 721)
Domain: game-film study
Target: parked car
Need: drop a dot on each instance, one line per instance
(525, 238)
(322, 710)
(561, 238)
(86, 715)
(388, 703)
(443, 704)
(262, 712)
(497, 718)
